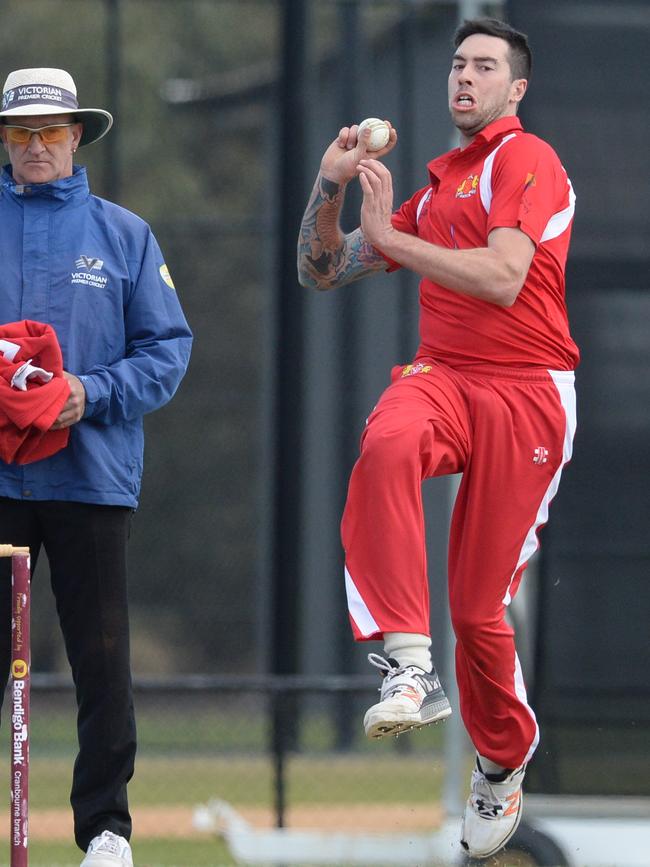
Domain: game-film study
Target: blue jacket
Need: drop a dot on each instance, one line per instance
(94, 272)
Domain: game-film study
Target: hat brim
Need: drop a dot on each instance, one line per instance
(96, 122)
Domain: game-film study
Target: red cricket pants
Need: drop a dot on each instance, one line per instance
(510, 432)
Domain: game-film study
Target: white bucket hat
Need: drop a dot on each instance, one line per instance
(30, 92)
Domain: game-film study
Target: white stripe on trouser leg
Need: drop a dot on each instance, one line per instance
(358, 609)
(520, 689)
(564, 381)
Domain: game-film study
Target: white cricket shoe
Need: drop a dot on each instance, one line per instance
(108, 850)
(410, 698)
(492, 812)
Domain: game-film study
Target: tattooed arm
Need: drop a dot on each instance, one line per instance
(326, 257)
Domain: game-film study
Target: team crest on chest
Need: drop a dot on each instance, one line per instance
(468, 187)
(412, 369)
(86, 276)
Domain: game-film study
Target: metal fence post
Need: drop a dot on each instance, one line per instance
(279, 702)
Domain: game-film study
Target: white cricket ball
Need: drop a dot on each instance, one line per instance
(379, 132)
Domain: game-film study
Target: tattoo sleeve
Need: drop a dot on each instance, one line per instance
(326, 257)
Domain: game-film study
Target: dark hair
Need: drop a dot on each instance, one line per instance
(521, 57)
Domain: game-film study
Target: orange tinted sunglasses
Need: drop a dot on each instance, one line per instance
(50, 134)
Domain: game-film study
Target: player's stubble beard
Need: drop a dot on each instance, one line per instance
(472, 126)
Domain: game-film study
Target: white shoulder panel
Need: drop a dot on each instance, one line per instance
(425, 198)
(485, 185)
(560, 222)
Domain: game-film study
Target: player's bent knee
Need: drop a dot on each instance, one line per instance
(472, 627)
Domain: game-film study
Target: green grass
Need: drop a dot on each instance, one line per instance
(248, 781)
(53, 730)
(147, 853)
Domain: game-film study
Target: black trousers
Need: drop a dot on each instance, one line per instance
(86, 549)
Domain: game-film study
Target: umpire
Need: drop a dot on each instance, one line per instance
(93, 272)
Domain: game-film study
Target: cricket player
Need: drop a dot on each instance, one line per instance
(489, 394)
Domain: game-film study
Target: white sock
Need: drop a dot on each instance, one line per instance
(409, 648)
(490, 767)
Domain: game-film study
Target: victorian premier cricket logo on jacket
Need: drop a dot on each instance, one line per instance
(85, 275)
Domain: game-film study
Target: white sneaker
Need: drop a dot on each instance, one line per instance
(108, 850)
(492, 812)
(410, 698)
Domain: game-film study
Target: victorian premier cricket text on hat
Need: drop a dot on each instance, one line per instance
(45, 91)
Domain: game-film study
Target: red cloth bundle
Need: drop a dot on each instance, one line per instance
(30, 399)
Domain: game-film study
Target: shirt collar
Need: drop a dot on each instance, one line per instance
(497, 129)
(509, 123)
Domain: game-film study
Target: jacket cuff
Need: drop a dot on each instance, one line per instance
(92, 395)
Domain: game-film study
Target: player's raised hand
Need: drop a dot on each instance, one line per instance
(340, 160)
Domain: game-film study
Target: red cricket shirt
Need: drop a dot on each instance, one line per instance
(504, 178)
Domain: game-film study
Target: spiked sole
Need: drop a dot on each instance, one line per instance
(382, 720)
